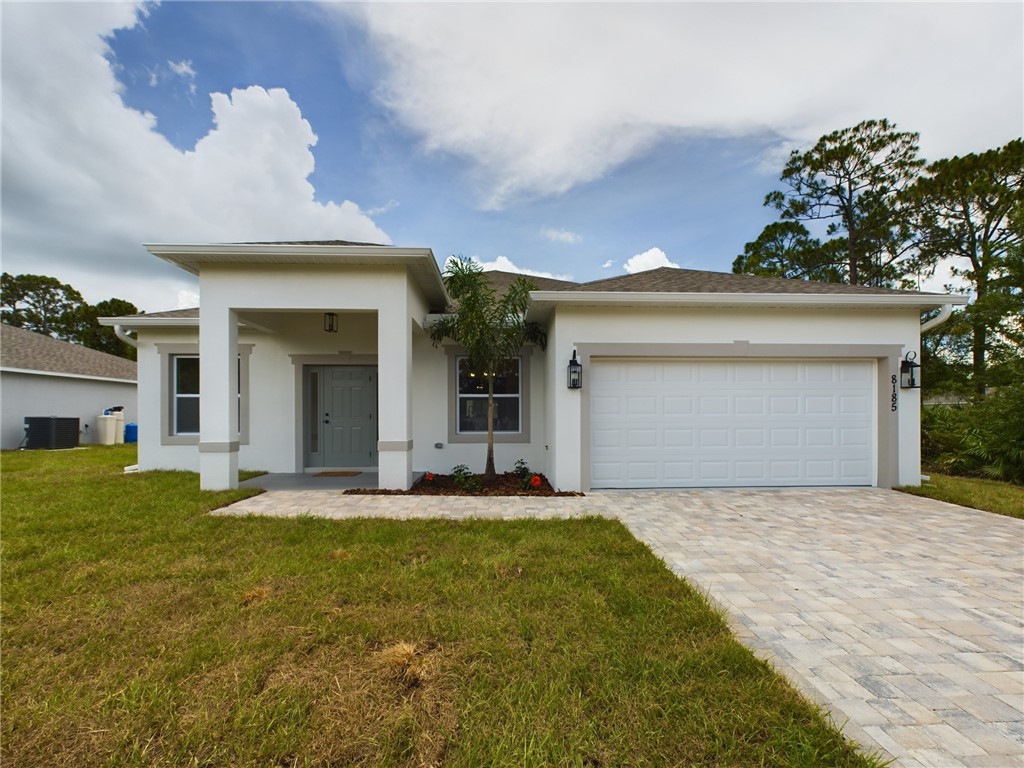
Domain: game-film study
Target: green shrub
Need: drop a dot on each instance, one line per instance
(984, 438)
(465, 480)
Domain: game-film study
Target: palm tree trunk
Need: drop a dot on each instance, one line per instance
(489, 472)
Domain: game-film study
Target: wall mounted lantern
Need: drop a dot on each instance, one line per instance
(574, 373)
(330, 322)
(910, 375)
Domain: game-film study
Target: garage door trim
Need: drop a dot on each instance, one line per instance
(886, 355)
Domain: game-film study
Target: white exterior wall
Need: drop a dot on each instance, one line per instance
(430, 408)
(46, 394)
(820, 329)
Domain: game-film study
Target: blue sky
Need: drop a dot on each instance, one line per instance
(576, 140)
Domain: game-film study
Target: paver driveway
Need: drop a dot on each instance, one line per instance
(904, 616)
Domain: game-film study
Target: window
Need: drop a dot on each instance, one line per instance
(472, 397)
(186, 395)
(179, 421)
(467, 399)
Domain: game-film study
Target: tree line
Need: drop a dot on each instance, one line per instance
(46, 305)
(883, 216)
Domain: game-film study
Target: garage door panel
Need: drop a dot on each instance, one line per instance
(678, 438)
(706, 423)
(642, 438)
(750, 438)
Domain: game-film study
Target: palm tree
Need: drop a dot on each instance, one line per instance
(490, 328)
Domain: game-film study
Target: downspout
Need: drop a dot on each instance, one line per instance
(944, 312)
(123, 336)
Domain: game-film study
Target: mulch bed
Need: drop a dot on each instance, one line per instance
(507, 484)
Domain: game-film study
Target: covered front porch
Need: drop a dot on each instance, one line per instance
(288, 335)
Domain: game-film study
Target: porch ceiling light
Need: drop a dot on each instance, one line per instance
(910, 376)
(330, 322)
(574, 379)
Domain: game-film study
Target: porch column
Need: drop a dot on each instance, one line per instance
(218, 398)
(394, 397)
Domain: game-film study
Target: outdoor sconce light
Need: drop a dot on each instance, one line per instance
(330, 322)
(575, 373)
(909, 376)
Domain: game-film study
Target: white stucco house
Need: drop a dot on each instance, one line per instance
(315, 355)
(43, 376)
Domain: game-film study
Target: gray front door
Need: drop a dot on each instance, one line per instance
(340, 415)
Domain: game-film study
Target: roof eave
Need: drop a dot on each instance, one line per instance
(544, 302)
(190, 257)
(142, 321)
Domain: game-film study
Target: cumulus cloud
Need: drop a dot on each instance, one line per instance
(86, 179)
(560, 235)
(504, 264)
(543, 97)
(649, 259)
(608, 264)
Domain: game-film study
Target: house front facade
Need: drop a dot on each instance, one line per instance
(316, 356)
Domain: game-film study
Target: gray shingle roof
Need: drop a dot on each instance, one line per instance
(501, 281)
(671, 280)
(26, 350)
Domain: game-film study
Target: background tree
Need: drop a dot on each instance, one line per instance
(46, 305)
(40, 303)
(970, 210)
(851, 180)
(786, 249)
(95, 336)
(490, 328)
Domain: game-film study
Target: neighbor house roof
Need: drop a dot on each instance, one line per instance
(22, 350)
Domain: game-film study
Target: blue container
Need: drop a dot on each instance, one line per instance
(131, 433)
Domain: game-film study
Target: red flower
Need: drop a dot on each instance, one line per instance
(535, 481)
(428, 476)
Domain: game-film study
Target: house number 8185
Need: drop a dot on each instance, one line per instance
(895, 397)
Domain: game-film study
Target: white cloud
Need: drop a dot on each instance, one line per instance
(187, 299)
(504, 264)
(560, 235)
(649, 259)
(542, 97)
(183, 69)
(608, 264)
(81, 194)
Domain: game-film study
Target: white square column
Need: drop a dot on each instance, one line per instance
(218, 398)
(394, 397)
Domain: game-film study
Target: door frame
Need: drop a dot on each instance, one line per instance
(309, 418)
(299, 364)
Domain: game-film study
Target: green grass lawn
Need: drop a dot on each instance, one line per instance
(139, 630)
(988, 495)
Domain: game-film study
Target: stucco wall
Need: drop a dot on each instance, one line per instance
(817, 329)
(275, 406)
(26, 394)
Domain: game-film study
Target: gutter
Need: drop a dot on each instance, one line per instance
(120, 332)
(944, 312)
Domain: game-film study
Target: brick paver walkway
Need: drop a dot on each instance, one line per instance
(904, 616)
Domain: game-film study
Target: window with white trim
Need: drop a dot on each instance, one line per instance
(471, 416)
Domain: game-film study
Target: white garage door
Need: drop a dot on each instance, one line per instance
(701, 423)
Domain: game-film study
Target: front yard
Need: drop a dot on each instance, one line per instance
(139, 630)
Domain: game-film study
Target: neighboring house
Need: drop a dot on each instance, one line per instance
(43, 376)
(689, 378)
